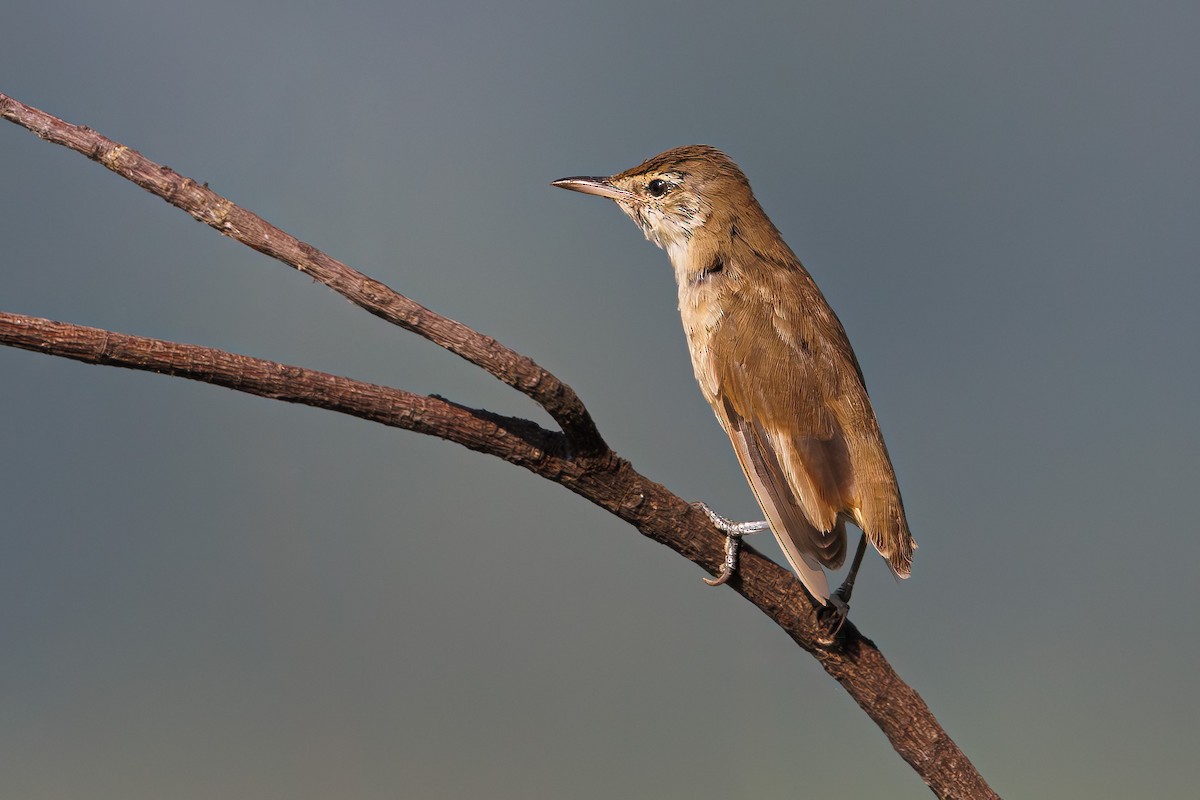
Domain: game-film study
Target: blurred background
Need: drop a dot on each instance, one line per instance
(204, 594)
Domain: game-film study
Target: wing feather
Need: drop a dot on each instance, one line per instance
(806, 548)
(789, 392)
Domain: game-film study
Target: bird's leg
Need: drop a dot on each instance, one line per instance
(734, 531)
(839, 601)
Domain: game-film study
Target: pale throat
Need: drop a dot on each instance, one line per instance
(673, 232)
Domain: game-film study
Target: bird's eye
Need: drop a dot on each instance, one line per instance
(657, 187)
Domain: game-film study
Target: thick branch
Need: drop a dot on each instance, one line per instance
(518, 371)
(576, 459)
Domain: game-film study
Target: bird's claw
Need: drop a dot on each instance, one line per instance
(834, 614)
(734, 531)
(733, 544)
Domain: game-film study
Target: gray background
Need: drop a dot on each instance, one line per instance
(206, 595)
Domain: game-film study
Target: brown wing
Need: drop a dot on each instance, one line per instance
(792, 399)
(806, 548)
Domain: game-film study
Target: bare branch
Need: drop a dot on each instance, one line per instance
(516, 440)
(205, 205)
(577, 459)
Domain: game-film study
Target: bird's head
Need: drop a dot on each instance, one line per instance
(674, 195)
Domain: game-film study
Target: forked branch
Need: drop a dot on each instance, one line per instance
(577, 458)
(205, 205)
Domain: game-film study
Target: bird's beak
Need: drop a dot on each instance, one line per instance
(602, 187)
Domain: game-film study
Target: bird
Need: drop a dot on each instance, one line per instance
(775, 364)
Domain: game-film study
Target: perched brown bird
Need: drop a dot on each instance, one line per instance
(773, 361)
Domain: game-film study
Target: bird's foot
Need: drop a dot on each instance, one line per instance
(834, 614)
(731, 528)
(734, 531)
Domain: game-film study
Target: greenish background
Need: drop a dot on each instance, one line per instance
(204, 594)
